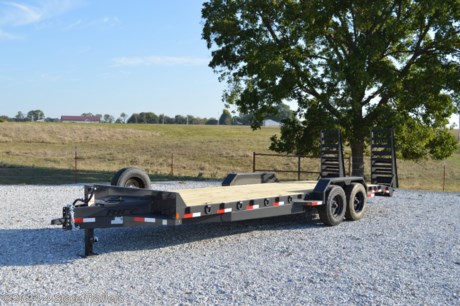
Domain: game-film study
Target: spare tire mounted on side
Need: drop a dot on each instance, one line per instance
(131, 177)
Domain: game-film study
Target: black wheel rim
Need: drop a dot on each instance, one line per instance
(133, 183)
(337, 206)
(358, 202)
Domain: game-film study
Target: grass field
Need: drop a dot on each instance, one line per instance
(44, 153)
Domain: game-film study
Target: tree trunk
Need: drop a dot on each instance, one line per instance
(357, 157)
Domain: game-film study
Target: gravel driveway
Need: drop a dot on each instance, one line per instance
(406, 251)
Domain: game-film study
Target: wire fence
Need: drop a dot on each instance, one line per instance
(82, 166)
(431, 175)
(302, 162)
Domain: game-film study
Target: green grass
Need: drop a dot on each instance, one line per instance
(43, 153)
(196, 151)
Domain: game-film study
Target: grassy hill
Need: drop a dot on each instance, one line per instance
(44, 153)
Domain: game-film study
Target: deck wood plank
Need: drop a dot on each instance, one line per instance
(213, 195)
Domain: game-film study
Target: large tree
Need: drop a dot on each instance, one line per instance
(143, 117)
(352, 65)
(20, 116)
(35, 115)
(108, 118)
(225, 118)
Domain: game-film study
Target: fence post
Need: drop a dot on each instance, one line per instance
(298, 168)
(75, 170)
(172, 164)
(444, 177)
(253, 161)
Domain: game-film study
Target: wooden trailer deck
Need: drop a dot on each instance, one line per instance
(213, 195)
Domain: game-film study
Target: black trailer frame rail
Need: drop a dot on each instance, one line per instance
(110, 206)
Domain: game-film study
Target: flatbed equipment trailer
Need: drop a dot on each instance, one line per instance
(242, 197)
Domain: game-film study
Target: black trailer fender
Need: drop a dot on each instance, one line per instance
(319, 193)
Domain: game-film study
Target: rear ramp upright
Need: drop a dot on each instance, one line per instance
(332, 164)
(383, 158)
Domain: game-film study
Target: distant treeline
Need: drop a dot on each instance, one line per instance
(152, 118)
(33, 115)
(281, 112)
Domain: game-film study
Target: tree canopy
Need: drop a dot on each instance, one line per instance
(225, 118)
(35, 115)
(143, 117)
(351, 65)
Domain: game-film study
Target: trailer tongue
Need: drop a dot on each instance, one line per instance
(243, 197)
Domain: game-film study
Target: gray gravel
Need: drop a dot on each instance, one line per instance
(406, 251)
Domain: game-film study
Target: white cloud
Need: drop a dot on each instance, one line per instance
(73, 25)
(8, 36)
(158, 60)
(17, 13)
(110, 21)
(101, 23)
(104, 22)
(21, 14)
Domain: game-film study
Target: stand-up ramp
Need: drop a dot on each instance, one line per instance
(332, 164)
(383, 158)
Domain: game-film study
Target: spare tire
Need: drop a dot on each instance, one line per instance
(131, 177)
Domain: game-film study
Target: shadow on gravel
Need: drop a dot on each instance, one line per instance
(144, 238)
(22, 175)
(29, 247)
(19, 175)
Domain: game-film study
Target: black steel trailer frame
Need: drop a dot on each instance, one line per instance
(254, 195)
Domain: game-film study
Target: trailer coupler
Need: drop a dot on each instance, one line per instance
(68, 223)
(58, 221)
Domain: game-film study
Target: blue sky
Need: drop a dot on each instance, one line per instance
(67, 57)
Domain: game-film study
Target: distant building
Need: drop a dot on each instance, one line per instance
(81, 119)
(269, 122)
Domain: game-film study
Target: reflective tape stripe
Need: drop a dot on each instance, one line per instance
(314, 203)
(224, 210)
(281, 203)
(117, 220)
(84, 220)
(146, 220)
(192, 215)
(251, 207)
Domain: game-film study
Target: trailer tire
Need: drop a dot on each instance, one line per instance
(333, 211)
(131, 177)
(356, 201)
